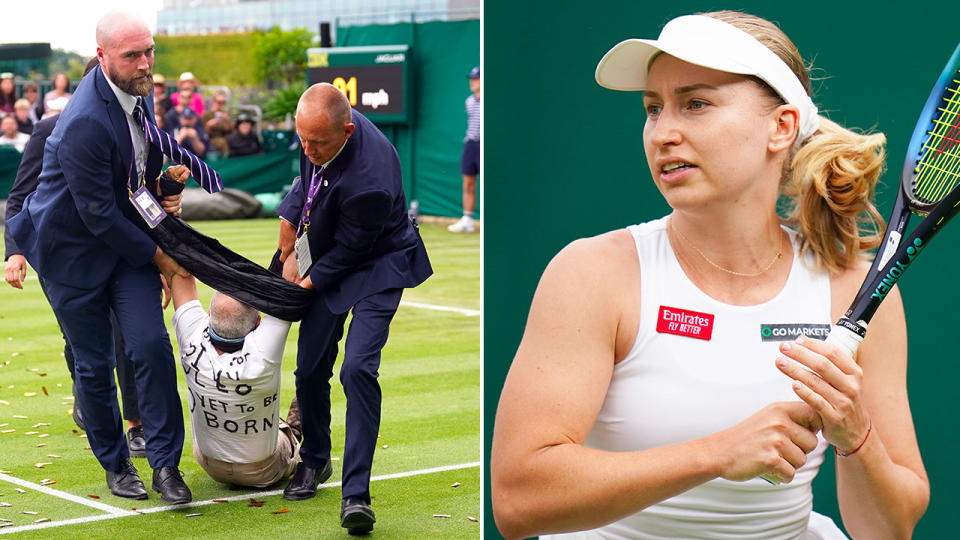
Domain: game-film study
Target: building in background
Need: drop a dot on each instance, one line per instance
(180, 17)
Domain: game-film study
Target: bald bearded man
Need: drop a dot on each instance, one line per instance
(80, 231)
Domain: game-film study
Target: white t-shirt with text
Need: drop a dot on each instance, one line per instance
(232, 396)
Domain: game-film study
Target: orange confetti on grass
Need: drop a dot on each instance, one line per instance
(254, 502)
(97, 497)
(285, 510)
(220, 500)
(44, 388)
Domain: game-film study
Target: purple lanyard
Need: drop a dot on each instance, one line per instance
(130, 175)
(315, 182)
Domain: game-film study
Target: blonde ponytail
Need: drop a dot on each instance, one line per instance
(831, 179)
(831, 184)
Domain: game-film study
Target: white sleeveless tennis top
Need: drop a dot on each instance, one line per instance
(699, 366)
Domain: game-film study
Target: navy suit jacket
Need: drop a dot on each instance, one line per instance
(360, 237)
(27, 175)
(80, 222)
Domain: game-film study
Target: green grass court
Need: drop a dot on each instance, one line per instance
(426, 473)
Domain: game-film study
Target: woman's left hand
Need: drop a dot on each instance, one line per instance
(832, 386)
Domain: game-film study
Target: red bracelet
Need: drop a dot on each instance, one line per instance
(857, 449)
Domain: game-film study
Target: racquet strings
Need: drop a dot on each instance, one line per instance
(938, 170)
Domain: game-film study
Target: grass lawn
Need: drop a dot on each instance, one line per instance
(427, 476)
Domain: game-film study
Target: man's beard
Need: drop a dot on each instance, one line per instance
(133, 87)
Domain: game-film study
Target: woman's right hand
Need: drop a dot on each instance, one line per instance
(773, 443)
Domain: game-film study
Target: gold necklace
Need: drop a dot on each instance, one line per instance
(717, 266)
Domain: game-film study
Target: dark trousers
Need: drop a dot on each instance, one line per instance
(125, 372)
(84, 314)
(320, 332)
(126, 375)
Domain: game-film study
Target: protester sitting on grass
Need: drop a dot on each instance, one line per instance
(231, 359)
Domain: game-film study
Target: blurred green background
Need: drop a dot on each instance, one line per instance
(563, 159)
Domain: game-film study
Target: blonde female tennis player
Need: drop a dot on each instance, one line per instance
(670, 382)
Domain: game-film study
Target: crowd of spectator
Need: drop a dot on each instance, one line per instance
(205, 127)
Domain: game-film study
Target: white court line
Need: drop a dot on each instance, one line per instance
(68, 496)
(463, 311)
(118, 512)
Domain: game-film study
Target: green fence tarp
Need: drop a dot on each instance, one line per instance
(443, 53)
(9, 161)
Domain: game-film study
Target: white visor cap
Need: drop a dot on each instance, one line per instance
(714, 44)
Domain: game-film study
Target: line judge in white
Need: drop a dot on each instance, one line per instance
(231, 359)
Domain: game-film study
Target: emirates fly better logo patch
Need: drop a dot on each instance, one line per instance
(684, 322)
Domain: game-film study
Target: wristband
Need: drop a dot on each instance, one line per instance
(857, 449)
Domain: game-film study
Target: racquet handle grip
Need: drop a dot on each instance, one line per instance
(846, 339)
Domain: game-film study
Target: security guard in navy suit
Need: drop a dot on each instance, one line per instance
(81, 233)
(345, 233)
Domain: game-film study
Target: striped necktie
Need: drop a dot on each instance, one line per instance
(201, 172)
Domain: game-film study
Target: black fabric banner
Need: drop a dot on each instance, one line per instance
(230, 273)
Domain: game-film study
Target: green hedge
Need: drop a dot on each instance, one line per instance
(215, 59)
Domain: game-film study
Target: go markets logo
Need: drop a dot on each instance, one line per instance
(786, 332)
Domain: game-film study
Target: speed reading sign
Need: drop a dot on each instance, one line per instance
(375, 79)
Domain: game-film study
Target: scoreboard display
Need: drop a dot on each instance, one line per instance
(375, 79)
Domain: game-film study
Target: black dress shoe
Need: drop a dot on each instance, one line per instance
(77, 415)
(305, 479)
(136, 442)
(126, 482)
(168, 482)
(356, 516)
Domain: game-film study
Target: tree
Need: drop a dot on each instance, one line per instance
(280, 56)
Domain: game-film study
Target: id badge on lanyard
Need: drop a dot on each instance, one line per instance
(304, 260)
(302, 245)
(143, 200)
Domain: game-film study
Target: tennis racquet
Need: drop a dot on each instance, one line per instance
(928, 188)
